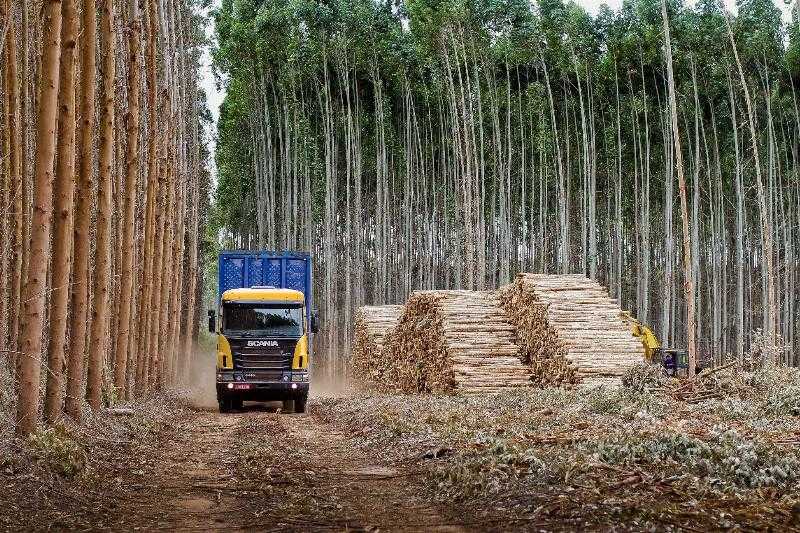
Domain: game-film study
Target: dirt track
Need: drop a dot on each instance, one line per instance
(261, 470)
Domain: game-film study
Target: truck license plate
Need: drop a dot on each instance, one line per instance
(241, 386)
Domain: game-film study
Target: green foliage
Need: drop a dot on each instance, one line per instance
(728, 457)
(487, 469)
(784, 401)
(644, 376)
(409, 132)
(58, 451)
(282, 54)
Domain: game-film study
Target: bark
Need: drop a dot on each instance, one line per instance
(63, 220)
(102, 279)
(145, 309)
(16, 177)
(124, 322)
(83, 210)
(35, 297)
(688, 285)
(770, 327)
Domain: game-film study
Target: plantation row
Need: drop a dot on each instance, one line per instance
(103, 187)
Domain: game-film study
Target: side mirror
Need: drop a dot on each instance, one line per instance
(212, 321)
(314, 321)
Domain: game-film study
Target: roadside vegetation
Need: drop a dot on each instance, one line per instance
(70, 475)
(600, 457)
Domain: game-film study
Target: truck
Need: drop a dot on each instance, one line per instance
(264, 322)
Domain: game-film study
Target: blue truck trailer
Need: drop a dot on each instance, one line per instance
(264, 323)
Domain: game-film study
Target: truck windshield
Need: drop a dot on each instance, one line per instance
(262, 321)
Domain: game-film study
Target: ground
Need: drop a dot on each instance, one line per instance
(198, 470)
(598, 460)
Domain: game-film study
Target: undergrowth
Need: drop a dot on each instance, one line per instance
(489, 445)
(58, 451)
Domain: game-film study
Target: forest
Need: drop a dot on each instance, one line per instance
(483, 195)
(104, 192)
(442, 144)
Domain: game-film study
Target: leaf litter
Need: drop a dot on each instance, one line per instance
(718, 452)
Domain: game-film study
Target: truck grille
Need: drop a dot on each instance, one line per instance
(261, 359)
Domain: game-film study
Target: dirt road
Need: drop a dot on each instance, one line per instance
(261, 470)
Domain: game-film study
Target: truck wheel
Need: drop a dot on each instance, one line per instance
(300, 404)
(288, 406)
(225, 405)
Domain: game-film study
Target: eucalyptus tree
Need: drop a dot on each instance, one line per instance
(428, 144)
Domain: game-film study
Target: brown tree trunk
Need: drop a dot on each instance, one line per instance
(194, 229)
(5, 188)
(33, 307)
(83, 210)
(97, 334)
(164, 275)
(688, 284)
(15, 172)
(62, 222)
(144, 355)
(124, 322)
(159, 260)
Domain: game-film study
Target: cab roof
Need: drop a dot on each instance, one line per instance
(265, 294)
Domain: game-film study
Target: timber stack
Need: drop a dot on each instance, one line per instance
(569, 330)
(374, 325)
(455, 341)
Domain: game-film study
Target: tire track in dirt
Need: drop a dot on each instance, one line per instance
(373, 496)
(265, 471)
(189, 484)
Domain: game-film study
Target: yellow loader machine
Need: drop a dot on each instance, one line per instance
(674, 360)
(264, 325)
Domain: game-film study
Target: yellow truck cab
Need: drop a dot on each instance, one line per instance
(262, 347)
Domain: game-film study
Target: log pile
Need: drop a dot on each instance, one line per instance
(455, 341)
(373, 329)
(570, 330)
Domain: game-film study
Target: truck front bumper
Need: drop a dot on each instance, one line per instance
(248, 386)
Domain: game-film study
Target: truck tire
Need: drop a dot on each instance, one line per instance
(300, 404)
(288, 406)
(225, 405)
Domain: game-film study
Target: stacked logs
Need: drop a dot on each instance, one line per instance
(570, 330)
(373, 329)
(455, 341)
(539, 343)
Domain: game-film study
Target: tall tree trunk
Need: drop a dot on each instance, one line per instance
(16, 176)
(146, 311)
(763, 208)
(83, 210)
(688, 284)
(62, 222)
(124, 322)
(33, 307)
(102, 278)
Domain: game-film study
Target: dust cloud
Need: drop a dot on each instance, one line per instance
(329, 387)
(201, 389)
(202, 392)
